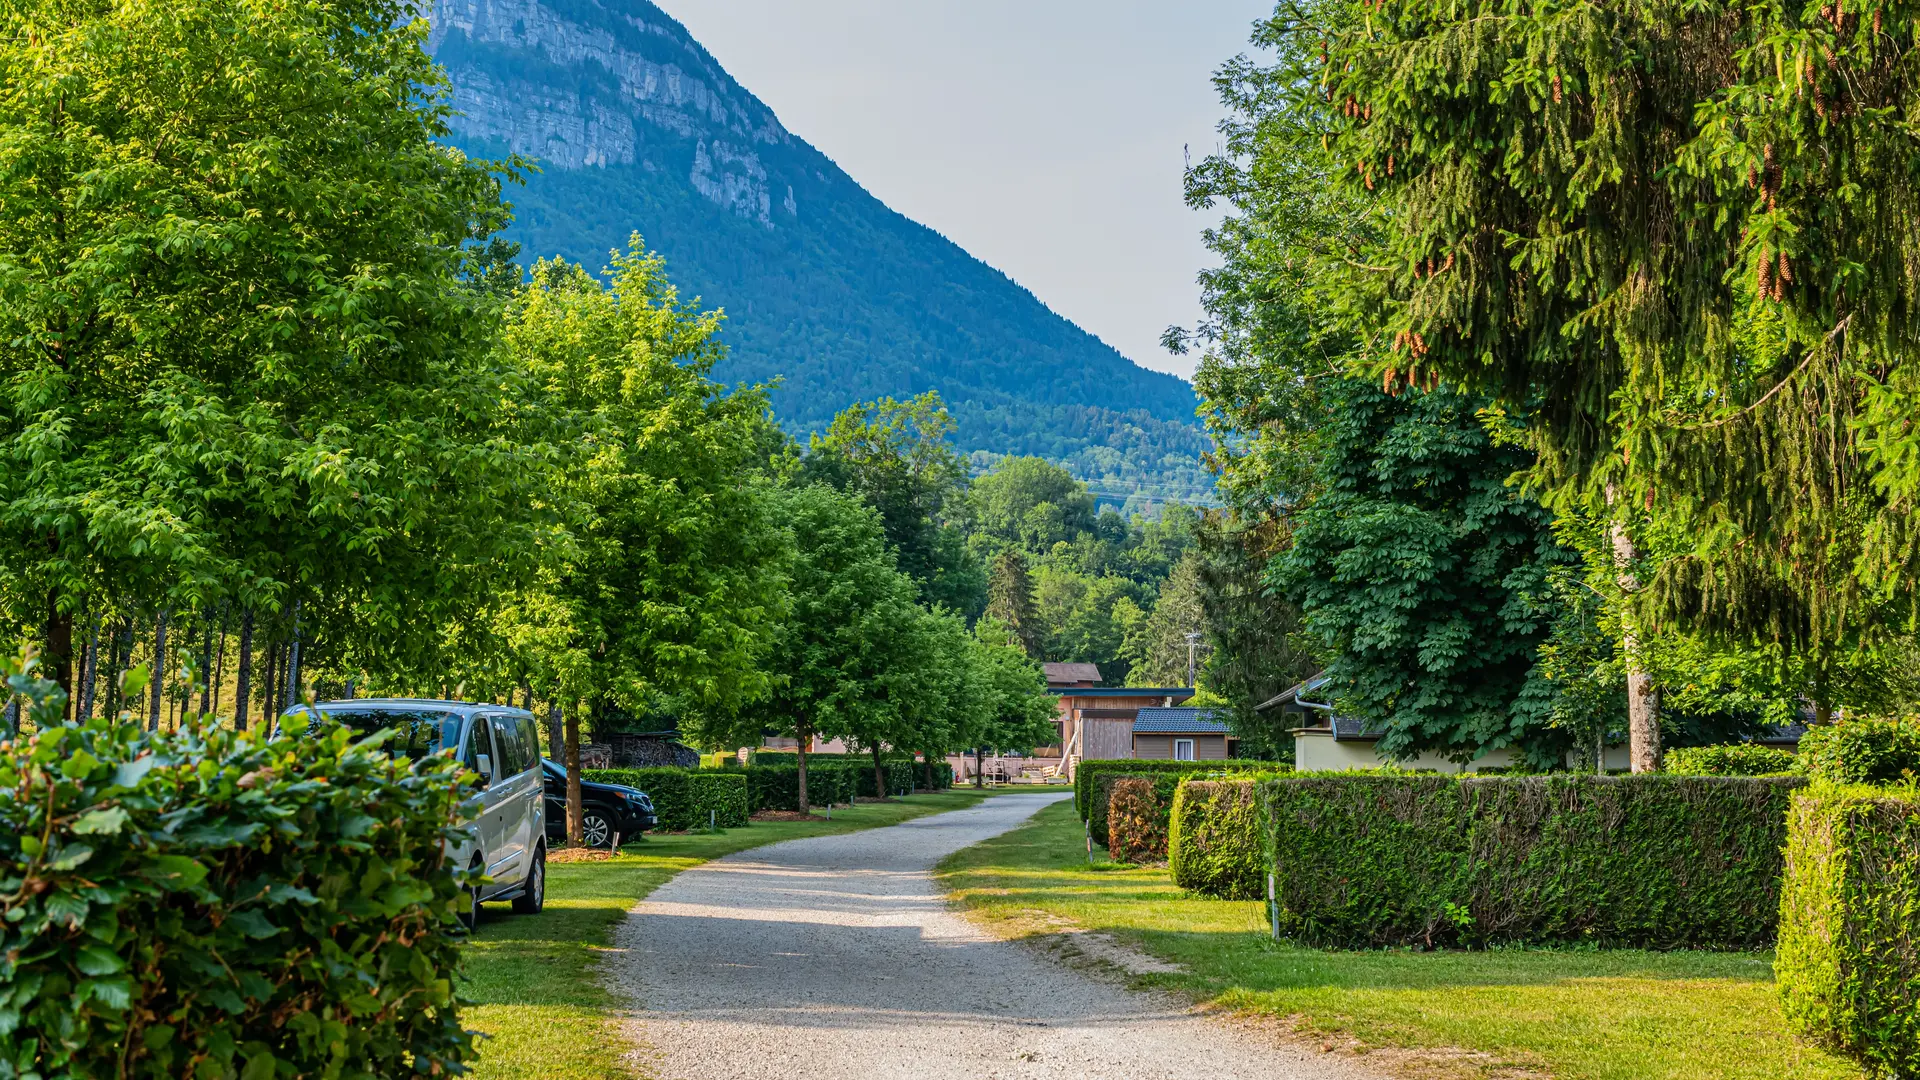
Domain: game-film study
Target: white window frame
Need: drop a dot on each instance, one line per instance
(1177, 744)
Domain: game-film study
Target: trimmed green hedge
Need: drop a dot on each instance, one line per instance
(1849, 959)
(777, 787)
(1136, 819)
(1646, 861)
(1863, 751)
(1086, 773)
(212, 903)
(1732, 759)
(1213, 839)
(683, 797)
(1167, 776)
(899, 777)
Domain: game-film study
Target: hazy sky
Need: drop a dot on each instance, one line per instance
(1044, 136)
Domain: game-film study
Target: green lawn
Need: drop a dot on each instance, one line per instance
(1575, 1014)
(536, 997)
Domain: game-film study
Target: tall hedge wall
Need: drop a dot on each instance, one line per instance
(1649, 861)
(1213, 839)
(208, 903)
(1087, 773)
(1137, 818)
(1849, 959)
(682, 798)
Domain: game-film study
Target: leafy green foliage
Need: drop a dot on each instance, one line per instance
(210, 903)
(1364, 860)
(1732, 759)
(1255, 643)
(1849, 957)
(1090, 795)
(1863, 750)
(683, 798)
(1213, 839)
(1425, 576)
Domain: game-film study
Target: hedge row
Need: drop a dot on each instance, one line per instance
(1849, 959)
(1137, 818)
(1733, 759)
(835, 780)
(685, 799)
(1863, 751)
(1649, 861)
(1087, 773)
(212, 903)
(1213, 839)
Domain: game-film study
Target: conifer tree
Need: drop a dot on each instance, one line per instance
(1010, 600)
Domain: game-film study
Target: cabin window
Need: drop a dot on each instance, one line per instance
(1183, 749)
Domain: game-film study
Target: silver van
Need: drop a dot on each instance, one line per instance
(505, 836)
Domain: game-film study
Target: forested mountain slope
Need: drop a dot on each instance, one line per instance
(636, 127)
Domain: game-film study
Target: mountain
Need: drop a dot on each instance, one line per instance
(636, 127)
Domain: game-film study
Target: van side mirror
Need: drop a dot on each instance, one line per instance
(483, 764)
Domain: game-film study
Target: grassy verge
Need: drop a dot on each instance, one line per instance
(1572, 1014)
(531, 978)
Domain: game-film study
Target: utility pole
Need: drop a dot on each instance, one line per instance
(1193, 649)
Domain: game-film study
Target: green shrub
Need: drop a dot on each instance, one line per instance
(1645, 861)
(682, 797)
(1733, 759)
(899, 777)
(1849, 959)
(1136, 823)
(209, 903)
(1862, 751)
(1086, 774)
(1213, 839)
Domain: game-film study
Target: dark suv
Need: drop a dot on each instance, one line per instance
(605, 809)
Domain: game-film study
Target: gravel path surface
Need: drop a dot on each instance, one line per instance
(836, 957)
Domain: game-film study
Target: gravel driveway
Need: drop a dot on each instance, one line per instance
(835, 957)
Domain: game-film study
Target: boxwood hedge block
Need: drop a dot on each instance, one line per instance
(1087, 800)
(1213, 839)
(1849, 960)
(682, 798)
(1646, 861)
(1136, 820)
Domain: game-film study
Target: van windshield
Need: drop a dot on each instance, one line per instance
(423, 731)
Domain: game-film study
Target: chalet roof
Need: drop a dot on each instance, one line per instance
(1179, 722)
(1070, 674)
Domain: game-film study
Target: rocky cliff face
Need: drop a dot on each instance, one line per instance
(637, 128)
(642, 90)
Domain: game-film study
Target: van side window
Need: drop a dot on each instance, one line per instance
(530, 738)
(478, 742)
(514, 758)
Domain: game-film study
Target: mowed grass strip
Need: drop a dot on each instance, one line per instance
(537, 999)
(1572, 1014)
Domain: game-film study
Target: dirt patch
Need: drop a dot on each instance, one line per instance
(578, 854)
(786, 815)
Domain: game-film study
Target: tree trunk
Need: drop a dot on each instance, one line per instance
(927, 755)
(206, 668)
(802, 736)
(60, 646)
(269, 707)
(556, 739)
(980, 767)
(1643, 700)
(91, 679)
(879, 774)
(576, 829)
(243, 672)
(293, 661)
(159, 670)
(219, 665)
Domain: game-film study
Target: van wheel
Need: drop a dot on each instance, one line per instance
(533, 896)
(470, 911)
(595, 830)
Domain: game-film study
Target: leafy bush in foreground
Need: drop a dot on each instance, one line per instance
(1649, 861)
(1733, 759)
(216, 904)
(1863, 751)
(1849, 960)
(1213, 840)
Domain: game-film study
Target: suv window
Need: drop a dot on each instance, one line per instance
(514, 758)
(479, 742)
(421, 731)
(529, 741)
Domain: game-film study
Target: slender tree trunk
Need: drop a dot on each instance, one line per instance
(91, 679)
(576, 828)
(927, 755)
(980, 767)
(219, 663)
(803, 735)
(556, 738)
(243, 672)
(1643, 699)
(293, 660)
(159, 670)
(206, 668)
(60, 646)
(879, 774)
(269, 705)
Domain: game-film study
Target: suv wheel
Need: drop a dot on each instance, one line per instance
(595, 829)
(470, 911)
(533, 896)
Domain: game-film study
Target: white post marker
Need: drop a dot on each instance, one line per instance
(1273, 909)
